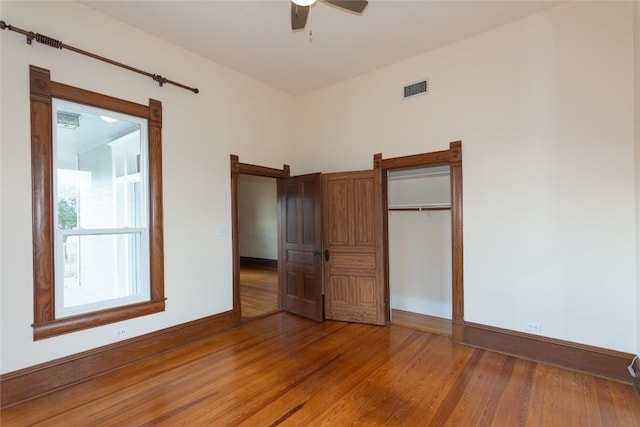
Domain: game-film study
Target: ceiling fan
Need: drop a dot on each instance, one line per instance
(300, 9)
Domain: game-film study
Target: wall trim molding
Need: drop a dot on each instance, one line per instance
(34, 381)
(250, 262)
(636, 380)
(601, 362)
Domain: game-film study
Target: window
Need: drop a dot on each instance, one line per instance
(97, 208)
(100, 181)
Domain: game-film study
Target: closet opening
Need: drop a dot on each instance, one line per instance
(399, 169)
(419, 247)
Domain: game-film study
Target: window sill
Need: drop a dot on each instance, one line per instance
(98, 318)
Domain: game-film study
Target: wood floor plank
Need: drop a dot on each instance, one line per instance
(435, 401)
(605, 402)
(515, 399)
(389, 396)
(365, 368)
(500, 377)
(551, 405)
(455, 393)
(258, 291)
(592, 409)
(431, 385)
(571, 409)
(289, 371)
(361, 398)
(245, 367)
(329, 382)
(540, 374)
(491, 372)
(266, 388)
(624, 401)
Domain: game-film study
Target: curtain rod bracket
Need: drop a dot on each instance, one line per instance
(161, 80)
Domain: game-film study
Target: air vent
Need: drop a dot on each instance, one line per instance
(415, 89)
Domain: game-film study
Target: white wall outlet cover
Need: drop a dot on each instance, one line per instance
(533, 327)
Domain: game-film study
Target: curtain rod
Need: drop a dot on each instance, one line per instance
(59, 45)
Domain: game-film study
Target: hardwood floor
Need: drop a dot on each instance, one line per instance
(282, 369)
(258, 291)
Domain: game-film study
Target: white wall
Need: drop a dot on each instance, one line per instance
(544, 109)
(420, 262)
(258, 217)
(419, 191)
(199, 133)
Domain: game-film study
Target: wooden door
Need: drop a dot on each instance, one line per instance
(301, 245)
(355, 289)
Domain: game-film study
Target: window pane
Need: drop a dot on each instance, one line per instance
(100, 191)
(98, 164)
(99, 268)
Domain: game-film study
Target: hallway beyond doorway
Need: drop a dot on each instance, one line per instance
(258, 291)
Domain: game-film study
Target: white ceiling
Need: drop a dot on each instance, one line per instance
(255, 37)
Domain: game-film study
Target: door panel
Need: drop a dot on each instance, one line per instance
(301, 245)
(353, 233)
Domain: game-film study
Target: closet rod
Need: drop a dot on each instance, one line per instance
(421, 208)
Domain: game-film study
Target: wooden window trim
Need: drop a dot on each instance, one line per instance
(42, 90)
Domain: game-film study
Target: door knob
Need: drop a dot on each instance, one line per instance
(326, 254)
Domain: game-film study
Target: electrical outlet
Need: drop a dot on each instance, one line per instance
(533, 327)
(120, 333)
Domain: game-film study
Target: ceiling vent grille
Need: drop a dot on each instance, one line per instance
(415, 89)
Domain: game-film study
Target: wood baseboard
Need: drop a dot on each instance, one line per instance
(34, 381)
(596, 361)
(421, 322)
(636, 380)
(248, 262)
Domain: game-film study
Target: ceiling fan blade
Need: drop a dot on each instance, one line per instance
(352, 5)
(299, 16)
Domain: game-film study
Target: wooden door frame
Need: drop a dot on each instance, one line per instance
(452, 158)
(238, 169)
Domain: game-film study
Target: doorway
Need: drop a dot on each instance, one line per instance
(248, 171)
(258, 245)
